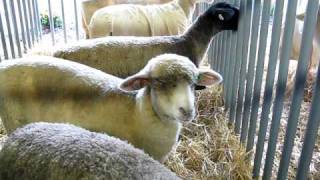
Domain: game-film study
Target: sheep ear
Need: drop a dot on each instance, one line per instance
(134, 83)
(208, 77)
(225, 14)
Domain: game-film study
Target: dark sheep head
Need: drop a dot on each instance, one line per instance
(224, 15)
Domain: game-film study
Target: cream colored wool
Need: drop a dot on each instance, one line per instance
(54, 151)
(90, 6)
(138, 20)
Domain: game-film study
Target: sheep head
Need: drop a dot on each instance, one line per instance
(170, 80)
(224, 15)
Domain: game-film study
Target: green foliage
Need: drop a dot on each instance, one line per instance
(45, 23)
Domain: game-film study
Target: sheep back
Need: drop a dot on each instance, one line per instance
(151, 20)
(123, 57)
(61, 151)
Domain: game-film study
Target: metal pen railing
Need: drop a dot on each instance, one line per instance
(243, 70)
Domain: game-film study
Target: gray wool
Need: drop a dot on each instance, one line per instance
(56, 151)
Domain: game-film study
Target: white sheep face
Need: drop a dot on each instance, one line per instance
(174, 101)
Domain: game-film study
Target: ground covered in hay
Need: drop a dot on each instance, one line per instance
(207, 148)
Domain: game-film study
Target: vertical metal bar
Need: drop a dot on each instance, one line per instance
(251, 67)
(281, 86)
(38, 19)
(76, 18)
(267, 98)
(15, 27)
(64, 22)
(26, 22)
(243, 70)
(6, 14)
(51, 23)
(225, 62)
(224, 48)
(220, 52)
(216, 62)
(306, 45)
(3, 39)
(310, 133)
(35, 21)
(31, 21)
(257, 84)
(234, 39)
(227, 69)
(23, 33)
(234, 85)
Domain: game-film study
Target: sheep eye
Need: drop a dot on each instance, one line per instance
(158, 83)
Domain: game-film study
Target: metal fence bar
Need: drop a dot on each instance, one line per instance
(237, 124)
(281, 86)
(35, 26)
(31, 17)
(306, 45)
(257, 84)
(64, 22)
(220, 52)
(15, 27)
(26, 23)
(251, 67)
(225, 64)
(243, 67)
(310, 133)
(3, 39)
(267, 98)
(223, 47)
(23, 33)
(51, 23)
(233, 58)
(6, 14)
(38, 19)
(236, 70)
(227, 70)
(76, 18)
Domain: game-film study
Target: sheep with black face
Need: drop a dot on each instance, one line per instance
(146, 109)
(125, 56)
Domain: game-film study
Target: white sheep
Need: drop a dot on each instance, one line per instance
(141, 20)
(90, 6)
(295, 51)
(125, 56)
(63, 151)
(145, 109)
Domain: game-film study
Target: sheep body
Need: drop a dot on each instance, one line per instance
(45, 88)
(295, 52)
(64, 151)
(124, 56)
(90, 6)
(141, 20)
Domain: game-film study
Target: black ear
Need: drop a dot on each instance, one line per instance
(224, 14)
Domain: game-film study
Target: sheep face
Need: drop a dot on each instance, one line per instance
(224, 15)
(170, 80)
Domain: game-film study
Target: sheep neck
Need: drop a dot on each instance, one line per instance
(154, 135)
(200, 34)
(186, 6)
